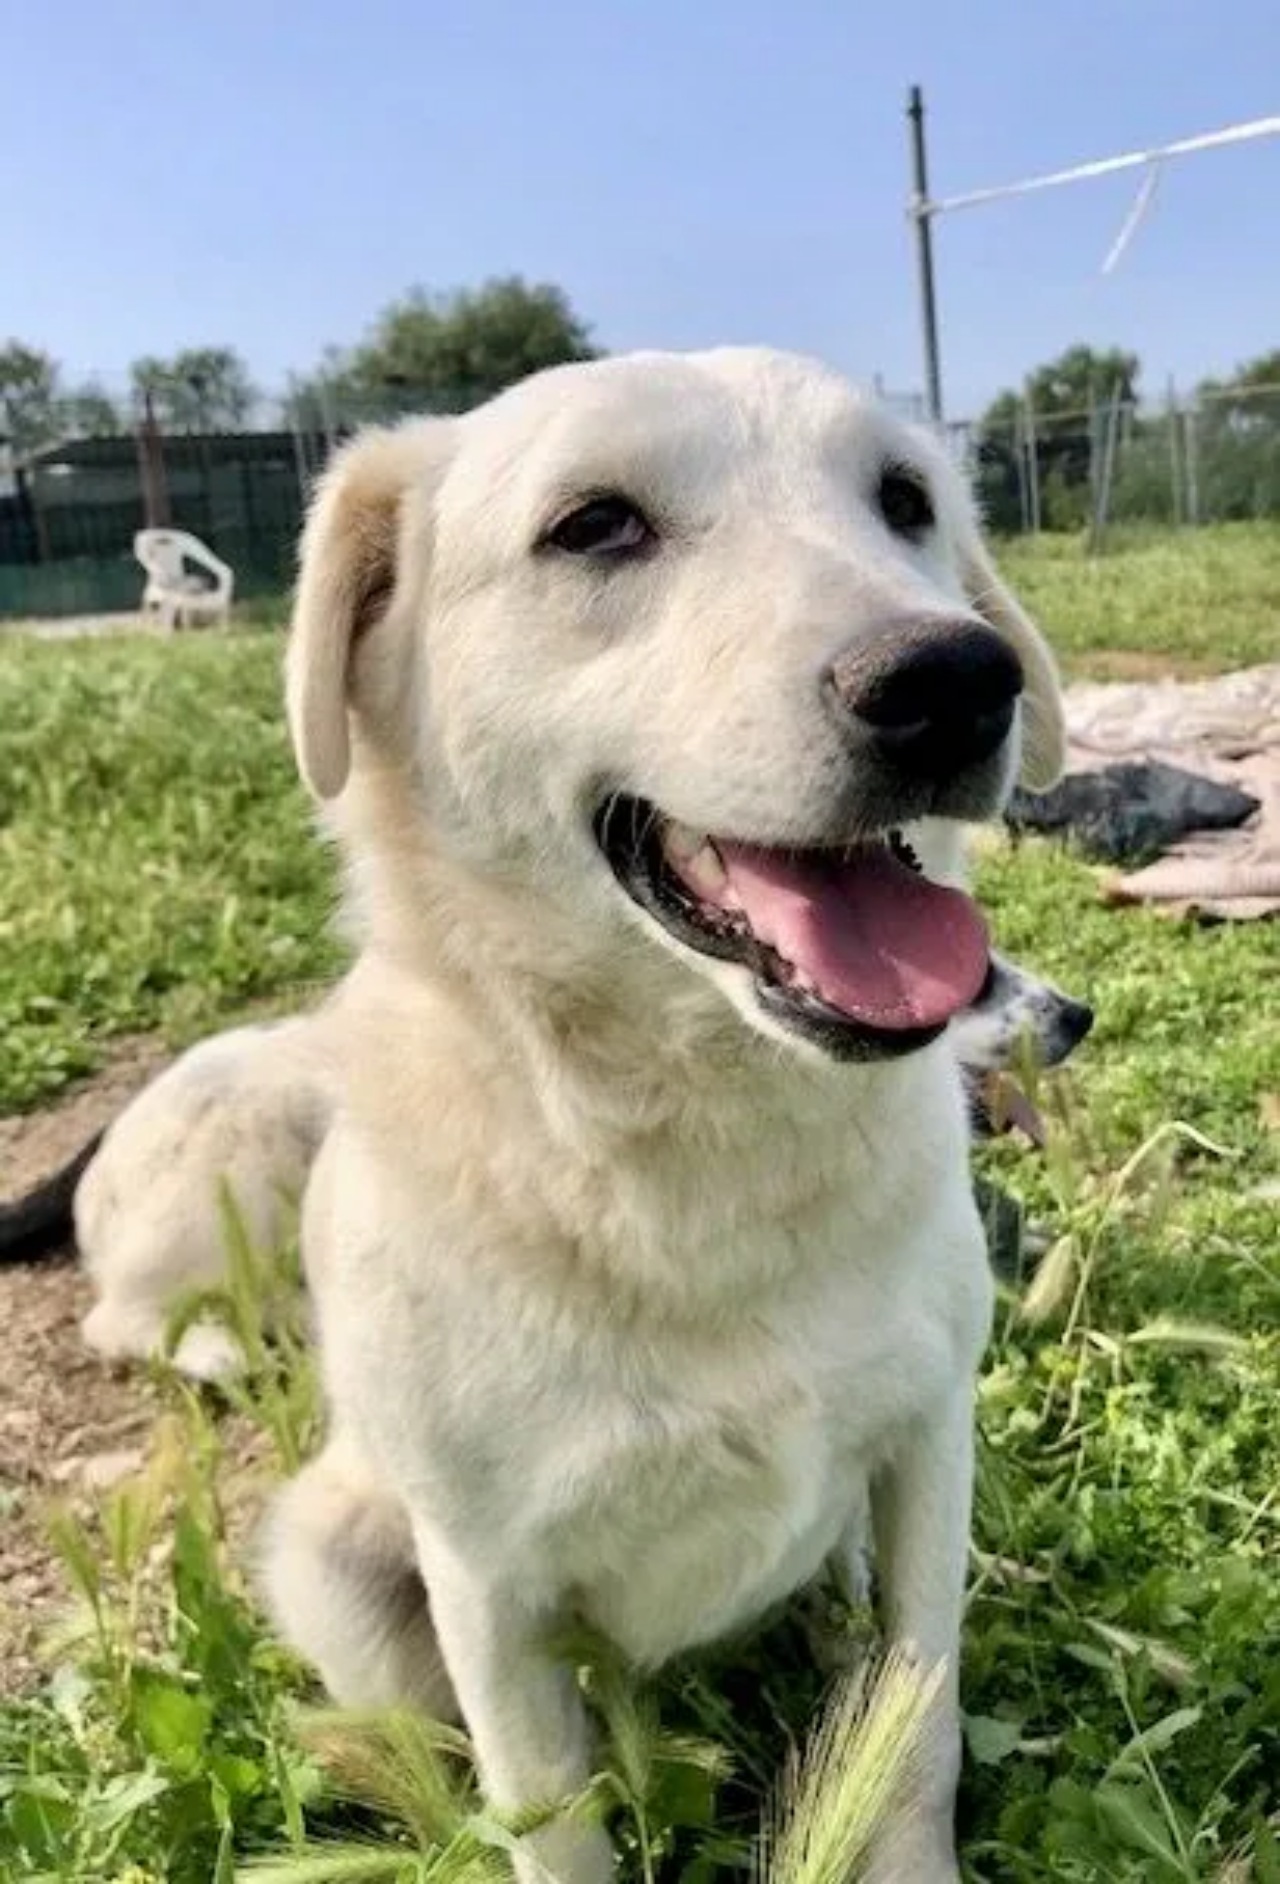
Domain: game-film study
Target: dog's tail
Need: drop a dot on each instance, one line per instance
(34, 1226)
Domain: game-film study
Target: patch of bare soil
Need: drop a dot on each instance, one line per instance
(1141, 664)
(69, 1425)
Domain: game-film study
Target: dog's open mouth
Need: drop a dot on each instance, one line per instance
(855, 949)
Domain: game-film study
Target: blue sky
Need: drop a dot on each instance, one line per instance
(269, 174)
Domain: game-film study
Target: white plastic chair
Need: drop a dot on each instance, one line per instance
(174, 595)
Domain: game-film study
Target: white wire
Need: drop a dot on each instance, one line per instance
(1137, 216)
(1132, 160)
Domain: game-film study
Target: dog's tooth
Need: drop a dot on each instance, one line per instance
(696, 858)
(681, 842)
(705, 871)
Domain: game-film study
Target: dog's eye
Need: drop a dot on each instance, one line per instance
(904, 503)
(607, 526)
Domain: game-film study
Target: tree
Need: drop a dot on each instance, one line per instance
(1262, 374)
(1059, 399)
(88, 411)
(1071, 385)
(449, 352)
(1237, 440)
(1251, 393)
(202, 389)
(28, 397)
(35, 410)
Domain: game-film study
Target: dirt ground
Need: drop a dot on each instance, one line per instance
(1141, 664)
(68, 1424)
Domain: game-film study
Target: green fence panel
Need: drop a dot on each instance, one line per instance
(82, 585)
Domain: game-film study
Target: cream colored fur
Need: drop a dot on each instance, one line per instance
(246, 1111)
(629, 1305)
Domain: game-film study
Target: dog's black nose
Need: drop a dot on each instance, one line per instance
(933, 695)
(1075, 1018)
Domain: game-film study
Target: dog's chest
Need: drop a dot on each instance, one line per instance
(672, 1486)
(663, 1401)
(691, 1505)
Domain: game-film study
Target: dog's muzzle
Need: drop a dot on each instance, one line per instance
(848, 942)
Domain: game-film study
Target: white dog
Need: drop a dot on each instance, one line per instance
(646, 701)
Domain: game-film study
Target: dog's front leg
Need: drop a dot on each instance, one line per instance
(921, 1505)
(521, 1707)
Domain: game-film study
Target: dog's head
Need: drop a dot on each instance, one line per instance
(1015, 1011)
(707, 644)
(1016, 1017)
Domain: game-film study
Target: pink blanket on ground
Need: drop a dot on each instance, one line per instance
(1228, 729)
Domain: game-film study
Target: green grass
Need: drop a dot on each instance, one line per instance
(1122, 1648)
(1202, 600)
(157, 866)
(1130, 1454)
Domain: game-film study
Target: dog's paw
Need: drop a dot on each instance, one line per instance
(566, 1852)
(208, 1353)
(918, 1852)
(121, 1334)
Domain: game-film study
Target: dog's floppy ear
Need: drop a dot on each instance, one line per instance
(348, 573)
(1044, 733)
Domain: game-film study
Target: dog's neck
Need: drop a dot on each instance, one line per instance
(630, 1072)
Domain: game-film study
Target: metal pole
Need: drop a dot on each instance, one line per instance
(1191, 447)
(326, 419)
(1020, 461)
(1175, 455)
(1033, 459)
(921, 213)
(1102, 505)
(301, 460)
(155, 484)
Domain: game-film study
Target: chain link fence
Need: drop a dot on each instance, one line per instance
(69, 511)
(1211, 459)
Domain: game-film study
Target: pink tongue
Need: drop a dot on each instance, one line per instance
(877, 940)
